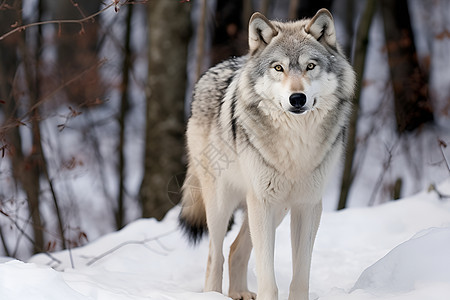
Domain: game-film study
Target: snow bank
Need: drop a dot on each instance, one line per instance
(20, 280)
(394, 251)
(419, 261)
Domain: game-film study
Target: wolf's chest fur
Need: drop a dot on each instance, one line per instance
(291, 146)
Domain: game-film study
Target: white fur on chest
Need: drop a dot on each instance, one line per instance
(279, 167)
(294, 146)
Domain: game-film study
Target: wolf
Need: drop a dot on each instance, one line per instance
(264, 132)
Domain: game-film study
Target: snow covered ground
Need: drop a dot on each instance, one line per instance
(399, 251)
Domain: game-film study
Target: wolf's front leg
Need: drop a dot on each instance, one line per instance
(305, 221)
(263, 220)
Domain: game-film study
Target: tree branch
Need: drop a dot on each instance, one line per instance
(115, 3)
(443, 145)
(59, 22)
(30, 239)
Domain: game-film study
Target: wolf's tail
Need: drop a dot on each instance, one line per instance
(192, 217)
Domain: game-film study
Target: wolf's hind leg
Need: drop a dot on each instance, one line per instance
(238, 264)
(217, 216)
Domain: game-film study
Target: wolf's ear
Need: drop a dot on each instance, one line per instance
(321, 27)
(260, 32)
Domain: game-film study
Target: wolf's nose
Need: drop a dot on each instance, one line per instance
(297, 100)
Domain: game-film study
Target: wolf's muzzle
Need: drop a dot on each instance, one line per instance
(298, 101)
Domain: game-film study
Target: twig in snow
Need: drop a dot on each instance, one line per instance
(142, 242)
(441, 196)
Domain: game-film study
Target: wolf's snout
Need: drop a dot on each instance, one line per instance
(297, 100)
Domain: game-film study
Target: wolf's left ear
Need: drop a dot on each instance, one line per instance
(260, 32)
(321, 27)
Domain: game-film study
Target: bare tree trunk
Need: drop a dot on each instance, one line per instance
(124, 106)
(77, 49)
(265, 6)
(34, 85)
(293, 8)
(307, 9)
(348, 22)
(412, 105)
(248, 10)
(200, 46)
(5, 246)
(362, 41)
(230, 37)
(164, 141)
(26, 169)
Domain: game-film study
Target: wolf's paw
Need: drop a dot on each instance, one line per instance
(242, 295)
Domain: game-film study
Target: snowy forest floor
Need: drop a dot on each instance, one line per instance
(398, 250)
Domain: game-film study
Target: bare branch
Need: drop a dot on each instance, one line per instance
(60, 22)
(443, 145)
(30, 239)
(20, 120)
(386, 165)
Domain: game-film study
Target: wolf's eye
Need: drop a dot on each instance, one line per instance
(278, 68)
(310, 66)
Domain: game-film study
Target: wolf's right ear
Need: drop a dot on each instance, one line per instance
(260, 32)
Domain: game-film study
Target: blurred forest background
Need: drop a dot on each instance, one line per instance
(94, 98)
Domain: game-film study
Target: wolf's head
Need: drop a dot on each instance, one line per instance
(299, 65)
